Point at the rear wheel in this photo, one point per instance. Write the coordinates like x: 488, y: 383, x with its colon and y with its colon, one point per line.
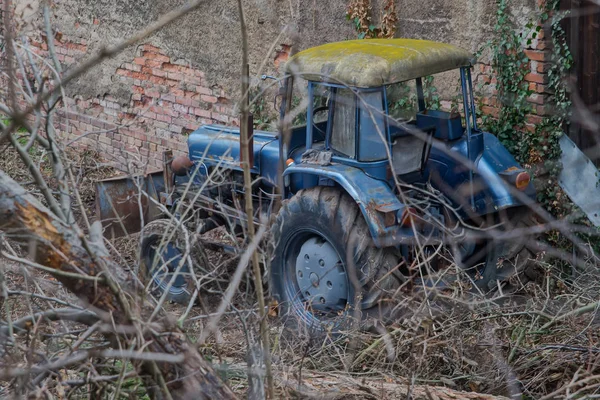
x: 166, y: 263
x: 499, y: 263
x: 324, y: 262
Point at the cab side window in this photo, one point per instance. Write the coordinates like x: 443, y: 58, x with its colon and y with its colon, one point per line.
x: 373, y: 134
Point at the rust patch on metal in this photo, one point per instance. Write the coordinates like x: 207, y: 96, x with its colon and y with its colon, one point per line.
x: 511, y: 169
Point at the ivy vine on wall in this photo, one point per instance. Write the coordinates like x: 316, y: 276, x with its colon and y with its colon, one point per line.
x: 538, y: 150
x: 360, y: 13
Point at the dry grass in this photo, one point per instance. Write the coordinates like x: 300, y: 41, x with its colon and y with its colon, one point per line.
x: 470, y: 345
x: 466, y: 344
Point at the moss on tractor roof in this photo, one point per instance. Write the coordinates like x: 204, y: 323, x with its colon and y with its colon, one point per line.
x: 377, y: 62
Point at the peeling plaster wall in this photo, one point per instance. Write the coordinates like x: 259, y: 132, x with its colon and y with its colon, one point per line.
x: 209, y: 38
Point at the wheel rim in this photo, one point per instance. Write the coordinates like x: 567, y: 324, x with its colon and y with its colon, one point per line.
x: 315, y: 278
x: 164, y: 264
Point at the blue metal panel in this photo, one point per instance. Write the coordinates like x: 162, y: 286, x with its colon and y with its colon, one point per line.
x: 309, y: 116
x: 491, y: 192
x: 269, y: 162
x: 374, y: 197
x: 220, y: 145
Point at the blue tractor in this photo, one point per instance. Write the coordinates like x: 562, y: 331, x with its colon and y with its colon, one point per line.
x: 363, y: 206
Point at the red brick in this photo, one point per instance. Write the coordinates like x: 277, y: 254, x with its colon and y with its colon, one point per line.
x: 182, y: 147
x: 163, y: 118
x: 132, y: 67
x: 153, y: 63
x: 158, y: 72
x: 203, y: 90
x: 161, y: 124
x: 542, y: 45
x: 191, y: 79
x: 154, y: 56
x: 490, y: 111
x: 537, y: 55
x: 541, y: 89
x: 153, y: 93
x: 543, y: 67
x: 202, y: 113
x: 530, y: 127
x: 220, y: 117
x: 131, y: 74
x: 180, y: 108
x: 157, y: 80
x: 171, y: 67
x: 139, y: 60
x: 541, y: 34
x: 534, y: 119
x: 183, y: 101
x: 175, y: 76
x: 149, y: 114
x: 208, y: 99
x: 175, y: 128
x: 537, y: 78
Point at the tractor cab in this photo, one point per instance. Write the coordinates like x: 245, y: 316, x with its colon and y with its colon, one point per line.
x: 354, y: 125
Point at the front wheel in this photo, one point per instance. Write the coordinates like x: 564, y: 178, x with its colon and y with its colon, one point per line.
x: 324, y: 262
x: 167, y: 258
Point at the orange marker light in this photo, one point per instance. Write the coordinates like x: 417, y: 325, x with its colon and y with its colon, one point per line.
x: 408, y: 217
x: 289, y: 162
x: 522, y: 181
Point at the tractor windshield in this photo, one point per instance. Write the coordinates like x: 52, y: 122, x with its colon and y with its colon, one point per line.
x: 363, y: 110
x: 343, y: 130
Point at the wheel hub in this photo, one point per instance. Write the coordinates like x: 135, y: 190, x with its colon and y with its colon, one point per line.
x: 320, y: 275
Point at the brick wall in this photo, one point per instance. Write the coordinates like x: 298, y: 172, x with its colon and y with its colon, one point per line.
x: 169, y: 99
x: 539, y: 62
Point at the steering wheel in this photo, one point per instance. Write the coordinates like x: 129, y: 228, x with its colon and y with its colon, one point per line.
x: 315, y: 112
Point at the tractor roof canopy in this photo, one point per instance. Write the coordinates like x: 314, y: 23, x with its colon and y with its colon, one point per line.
x: 377, y: 62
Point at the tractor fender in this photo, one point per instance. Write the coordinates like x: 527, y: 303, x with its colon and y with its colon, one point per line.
x: 496, y: 161
x: 493, y: 164
x: 374, y: 198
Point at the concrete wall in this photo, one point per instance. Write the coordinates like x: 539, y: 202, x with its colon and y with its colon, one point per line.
x: 149, y: 96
